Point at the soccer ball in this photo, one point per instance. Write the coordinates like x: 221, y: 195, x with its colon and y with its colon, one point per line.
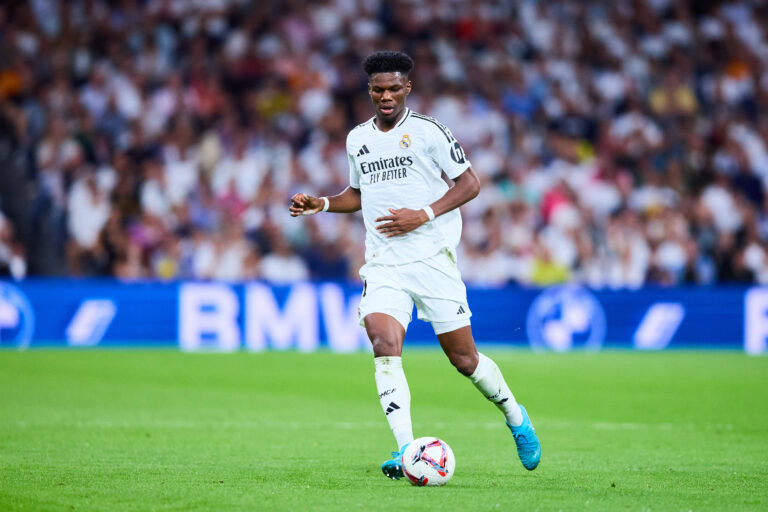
x: 428, y: 461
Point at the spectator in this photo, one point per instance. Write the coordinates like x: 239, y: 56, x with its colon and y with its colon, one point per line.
x: 88, y: 211
x: 282, y: 265
x: 617, y: 144
x: 12, y: 258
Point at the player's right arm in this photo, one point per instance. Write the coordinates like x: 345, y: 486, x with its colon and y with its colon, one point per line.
x: 346, y: 202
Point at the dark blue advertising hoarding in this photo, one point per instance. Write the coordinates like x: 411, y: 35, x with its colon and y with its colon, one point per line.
x: 307, y: 316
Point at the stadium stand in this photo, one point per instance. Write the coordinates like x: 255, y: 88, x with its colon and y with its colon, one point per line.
x: 618, y: 143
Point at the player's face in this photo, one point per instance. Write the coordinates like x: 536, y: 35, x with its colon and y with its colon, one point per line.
x: 388, y: 92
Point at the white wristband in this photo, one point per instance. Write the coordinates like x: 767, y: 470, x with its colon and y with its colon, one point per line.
x: 326, y: 203
x: 430, y: 213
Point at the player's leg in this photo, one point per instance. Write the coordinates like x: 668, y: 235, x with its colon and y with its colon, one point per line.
x: 441, y: 298
x: 387, y: 334
x: 459, y: 345
x: 385, y: 311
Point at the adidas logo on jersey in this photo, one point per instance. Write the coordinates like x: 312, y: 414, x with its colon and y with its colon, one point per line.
x: 363, y: 151
x: 461, y: 310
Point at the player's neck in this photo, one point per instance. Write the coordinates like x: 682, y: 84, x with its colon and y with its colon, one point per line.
x: 386, y: 125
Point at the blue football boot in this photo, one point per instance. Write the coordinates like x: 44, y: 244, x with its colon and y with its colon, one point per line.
x: 528, y: 446
x: 393, y: 467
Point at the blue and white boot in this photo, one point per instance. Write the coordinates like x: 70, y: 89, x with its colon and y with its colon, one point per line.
x: 393, y: 467
x: 528, y: 445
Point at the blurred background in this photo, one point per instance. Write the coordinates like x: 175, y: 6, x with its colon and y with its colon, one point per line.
x: 618, y: 143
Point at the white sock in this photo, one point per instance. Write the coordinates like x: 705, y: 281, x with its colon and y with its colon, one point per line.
x: 488, y: 379
x: 395, y: 397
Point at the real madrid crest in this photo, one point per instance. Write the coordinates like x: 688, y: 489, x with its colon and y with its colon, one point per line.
x: 405, y: 142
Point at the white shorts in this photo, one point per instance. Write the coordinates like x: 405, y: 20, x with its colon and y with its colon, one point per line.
x: 433, y: 284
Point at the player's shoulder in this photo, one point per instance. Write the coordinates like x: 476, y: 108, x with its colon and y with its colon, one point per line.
x: 360, y: 137
x: 361, y: 130
x: 431, y: 125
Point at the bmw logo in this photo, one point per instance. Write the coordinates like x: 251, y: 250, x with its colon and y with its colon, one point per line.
x: 17, y: 319
x: 566, y: 317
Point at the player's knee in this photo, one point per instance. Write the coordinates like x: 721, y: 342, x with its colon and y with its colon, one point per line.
x: 464, y: 362
x: 384, y: 345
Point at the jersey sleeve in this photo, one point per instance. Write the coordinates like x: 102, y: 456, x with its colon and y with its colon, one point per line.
x: 447, y: 152
x: 354, y: 172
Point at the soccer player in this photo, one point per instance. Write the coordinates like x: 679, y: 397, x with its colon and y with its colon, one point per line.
x: 400, y: 164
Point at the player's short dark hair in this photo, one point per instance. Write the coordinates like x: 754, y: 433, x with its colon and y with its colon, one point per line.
x: 388, y: 62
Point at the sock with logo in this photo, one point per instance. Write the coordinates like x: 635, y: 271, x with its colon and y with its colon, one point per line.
x: 395, y: 397
x: 488, y: 379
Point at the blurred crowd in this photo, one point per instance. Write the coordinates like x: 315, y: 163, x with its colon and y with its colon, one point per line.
x: 618, y: 143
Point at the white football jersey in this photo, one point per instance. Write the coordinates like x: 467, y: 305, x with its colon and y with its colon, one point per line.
x: 402, y: 168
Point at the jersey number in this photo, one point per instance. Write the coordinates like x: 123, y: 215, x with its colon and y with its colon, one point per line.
x: 457, y: 154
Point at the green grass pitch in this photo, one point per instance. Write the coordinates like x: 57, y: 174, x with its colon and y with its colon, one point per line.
x: 110, y: 430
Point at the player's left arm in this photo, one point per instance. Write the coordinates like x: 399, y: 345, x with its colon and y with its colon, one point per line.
x: 404, y: 220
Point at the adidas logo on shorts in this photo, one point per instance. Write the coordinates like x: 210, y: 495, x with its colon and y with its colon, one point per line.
x: 461, y: 310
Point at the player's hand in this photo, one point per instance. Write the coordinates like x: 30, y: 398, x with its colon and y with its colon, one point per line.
x: 402, y: 221
x: 304, y: 204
